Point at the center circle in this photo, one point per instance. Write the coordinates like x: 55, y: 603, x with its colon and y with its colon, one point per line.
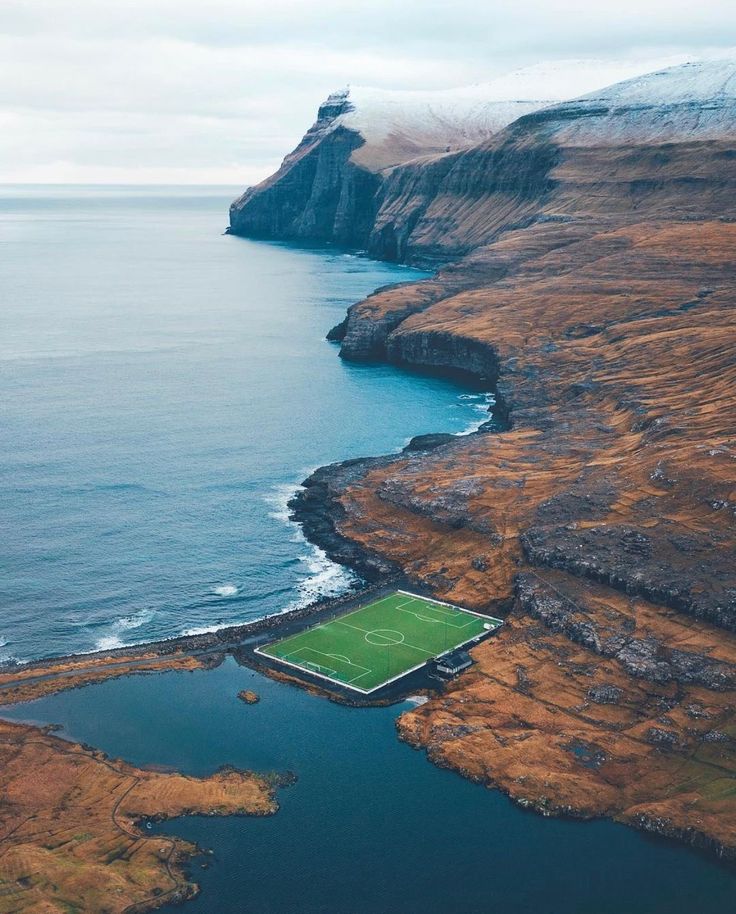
x: 383, y: 637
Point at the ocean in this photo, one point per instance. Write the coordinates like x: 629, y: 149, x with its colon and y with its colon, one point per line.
x: 165, y: 387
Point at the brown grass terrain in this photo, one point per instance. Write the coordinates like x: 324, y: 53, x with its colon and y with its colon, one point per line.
x: 46, y: 678
x: 605, y: 518
x: 594, y: 276
x: 69, y: 838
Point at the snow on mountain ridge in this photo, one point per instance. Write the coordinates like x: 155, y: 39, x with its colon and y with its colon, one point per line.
x: 401, y: 124
x: 694, y: 82
x: 693, y: 101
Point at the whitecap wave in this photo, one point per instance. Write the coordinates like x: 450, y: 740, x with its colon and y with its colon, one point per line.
x: 108, y: 643
x: 135, y: 620
x: 480, y: 403
x: 225, y: 590
x: 206, y: 629
x: 113, y: 638
x: 9, y: 660
x: 278, y: 501
x: 325, y: 579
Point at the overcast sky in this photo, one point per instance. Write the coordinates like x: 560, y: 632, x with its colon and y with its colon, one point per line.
x: 191, y: 91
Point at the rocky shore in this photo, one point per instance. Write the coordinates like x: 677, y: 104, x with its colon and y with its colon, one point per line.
x: 586, y: 273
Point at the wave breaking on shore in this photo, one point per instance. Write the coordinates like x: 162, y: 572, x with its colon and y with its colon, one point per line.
x: 325, y: 579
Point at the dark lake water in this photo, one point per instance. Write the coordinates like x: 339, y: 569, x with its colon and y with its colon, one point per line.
x: 164, y: 387
x: 370, y: 827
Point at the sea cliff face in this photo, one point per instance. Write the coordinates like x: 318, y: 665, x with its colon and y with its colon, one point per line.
x: 587, y: 273
x: 318, y: 194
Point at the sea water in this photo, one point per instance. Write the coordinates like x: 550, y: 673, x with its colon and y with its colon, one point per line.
x: 370, y: 826
x: 164, y: 388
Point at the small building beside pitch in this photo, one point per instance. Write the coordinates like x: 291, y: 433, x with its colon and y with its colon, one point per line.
x: 454, y: 663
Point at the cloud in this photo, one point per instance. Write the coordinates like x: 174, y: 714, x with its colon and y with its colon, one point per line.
x: 219, y: 91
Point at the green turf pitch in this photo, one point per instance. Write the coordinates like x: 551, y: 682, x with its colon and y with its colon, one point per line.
x: 382, y: 641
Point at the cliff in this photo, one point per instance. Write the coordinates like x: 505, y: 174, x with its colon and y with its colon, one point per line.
x: 70, y: 825
x: 590, y: 277
x: 331, y: 187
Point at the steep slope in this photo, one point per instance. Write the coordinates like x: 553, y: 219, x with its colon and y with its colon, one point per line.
x: 593, y: 284
x: 656, y: 143
x: 565, y: 174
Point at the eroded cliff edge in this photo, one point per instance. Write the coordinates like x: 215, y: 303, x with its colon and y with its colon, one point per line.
x: 591, y: 276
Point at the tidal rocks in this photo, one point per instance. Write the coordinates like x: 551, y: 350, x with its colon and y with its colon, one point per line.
x: 429, y: 442
x: 318, y: 508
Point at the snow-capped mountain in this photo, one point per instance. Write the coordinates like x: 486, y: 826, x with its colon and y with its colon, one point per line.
x: 399, y: 125
x: 696, y: 99
x: 434, y: 174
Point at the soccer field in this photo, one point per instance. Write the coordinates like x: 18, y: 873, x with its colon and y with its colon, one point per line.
x: 371, y: 646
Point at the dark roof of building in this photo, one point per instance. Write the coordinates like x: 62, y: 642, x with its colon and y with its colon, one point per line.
x: 456, y: 658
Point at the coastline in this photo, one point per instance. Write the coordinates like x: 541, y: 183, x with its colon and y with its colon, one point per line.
x: 317, y: 508
x: 72, y: 844
x: 230, y: 793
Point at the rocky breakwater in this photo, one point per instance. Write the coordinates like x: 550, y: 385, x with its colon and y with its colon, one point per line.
x: 604, y: 518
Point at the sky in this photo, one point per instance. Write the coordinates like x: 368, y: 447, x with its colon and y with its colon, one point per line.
x: 216, y: 92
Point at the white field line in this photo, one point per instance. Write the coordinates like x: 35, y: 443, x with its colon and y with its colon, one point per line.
x: 299, y: 660
x: 403, y: 673
x: 313, y: 650
x: 452, y: 614
x: 461, y: 609
x: 364, y: 632
x: 359, y: 676
x: 295, y: 666
x: 406, y: 593
x: 381, y: 633
x: 440, y: 621
x: 385, y: 682
x: 327, y: 623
